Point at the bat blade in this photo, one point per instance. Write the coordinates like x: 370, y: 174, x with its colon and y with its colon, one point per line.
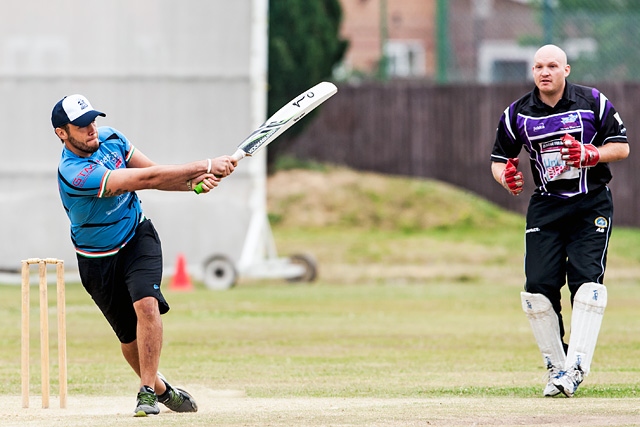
x: 282, y: 120
x: 287, y: 116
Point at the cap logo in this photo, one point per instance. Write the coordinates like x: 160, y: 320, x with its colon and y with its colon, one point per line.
x: 82, y: 104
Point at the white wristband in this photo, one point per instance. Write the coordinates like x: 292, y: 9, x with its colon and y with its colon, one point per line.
x: 208, y: 165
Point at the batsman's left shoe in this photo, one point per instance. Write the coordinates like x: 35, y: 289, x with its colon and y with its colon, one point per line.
x: 568, y: 381
x: 551, y: 390
x: 176, y: 399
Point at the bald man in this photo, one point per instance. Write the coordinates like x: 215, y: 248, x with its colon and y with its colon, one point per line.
x: 571, y: 133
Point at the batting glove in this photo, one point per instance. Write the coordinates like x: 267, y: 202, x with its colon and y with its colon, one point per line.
x: 579, y: 155
x: 511, y: 177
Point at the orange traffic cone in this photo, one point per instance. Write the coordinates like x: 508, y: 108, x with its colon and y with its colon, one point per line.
x: 181, y: 280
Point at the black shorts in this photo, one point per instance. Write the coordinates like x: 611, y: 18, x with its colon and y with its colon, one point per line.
x: 116, y: 282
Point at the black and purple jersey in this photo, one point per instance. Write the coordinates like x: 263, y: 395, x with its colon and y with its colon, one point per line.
x: 584, y: 113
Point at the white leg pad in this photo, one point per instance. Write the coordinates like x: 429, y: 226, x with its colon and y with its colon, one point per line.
x: 588, y: 309
x: 546, y: 329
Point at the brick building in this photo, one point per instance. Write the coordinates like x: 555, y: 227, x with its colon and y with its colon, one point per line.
x: 409, y: 31
x: 479, y: 41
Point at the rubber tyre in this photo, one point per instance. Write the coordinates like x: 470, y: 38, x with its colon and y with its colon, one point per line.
x: 220, y: 273
x: 310, y: 266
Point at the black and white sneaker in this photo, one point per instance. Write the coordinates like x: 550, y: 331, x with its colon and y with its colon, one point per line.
x: 176, y: 399
x: 568, y: 381
x: 147, y: 402
x: 550, y: 389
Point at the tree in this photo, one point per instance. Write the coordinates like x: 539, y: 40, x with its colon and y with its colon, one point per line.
x: 304, y: 48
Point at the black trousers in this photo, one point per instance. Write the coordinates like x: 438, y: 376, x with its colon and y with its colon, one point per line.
x: 566, y: 241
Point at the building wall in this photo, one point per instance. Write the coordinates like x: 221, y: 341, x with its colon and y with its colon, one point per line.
x: 406, y: 20
x: 478, y: 26
x: 182, y: 79
x: 479, y: 32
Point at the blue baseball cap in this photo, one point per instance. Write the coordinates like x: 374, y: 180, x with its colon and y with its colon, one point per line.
x: 74, y: 109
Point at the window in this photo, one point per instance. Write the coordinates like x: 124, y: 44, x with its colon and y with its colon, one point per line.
x: 504, y: 61
x: 405, y: 58
x: 510, y: 71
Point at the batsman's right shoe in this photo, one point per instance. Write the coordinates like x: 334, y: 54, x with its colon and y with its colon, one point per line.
x: 568, y: 381
x: 551, y: 390
x: 147, y: 403
x: 176, y: 399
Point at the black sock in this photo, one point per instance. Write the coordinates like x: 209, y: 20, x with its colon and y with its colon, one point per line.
x: 165, y: 394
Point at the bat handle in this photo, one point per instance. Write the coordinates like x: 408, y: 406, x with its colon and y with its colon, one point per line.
x: 237, y: 156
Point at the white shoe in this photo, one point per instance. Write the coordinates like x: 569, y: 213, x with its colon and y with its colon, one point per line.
x: 551, y: 390
x: 568, y: 381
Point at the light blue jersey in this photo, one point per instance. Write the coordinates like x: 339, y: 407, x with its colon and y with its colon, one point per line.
x: 100, y: 225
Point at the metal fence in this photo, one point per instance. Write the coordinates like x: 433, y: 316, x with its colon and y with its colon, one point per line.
x: 445, y: 132
x: 493, y: 41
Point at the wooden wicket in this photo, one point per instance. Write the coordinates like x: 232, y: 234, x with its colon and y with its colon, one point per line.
x: 44, y: 330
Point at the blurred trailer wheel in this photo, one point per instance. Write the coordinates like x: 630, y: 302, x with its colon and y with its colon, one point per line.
x: 310, y: 268
x: 219, y: 273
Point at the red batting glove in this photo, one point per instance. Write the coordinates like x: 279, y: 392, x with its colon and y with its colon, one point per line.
x: 511, y: 177
x: 579, y: 155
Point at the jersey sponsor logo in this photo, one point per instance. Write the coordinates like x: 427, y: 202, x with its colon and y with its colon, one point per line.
x: 555, y: 171
x: 570, y: 119
x: 532, y: 230
x: 119, y: 201
x: 550, y: 145
x: 82, y: 176
x: 111, y: 158
x: 554, y: 166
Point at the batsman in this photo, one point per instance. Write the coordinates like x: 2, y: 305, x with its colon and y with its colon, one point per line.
x: 571, y: 133
x: 118, y: 249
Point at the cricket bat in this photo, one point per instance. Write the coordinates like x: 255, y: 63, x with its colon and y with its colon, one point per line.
x: 282, y: 120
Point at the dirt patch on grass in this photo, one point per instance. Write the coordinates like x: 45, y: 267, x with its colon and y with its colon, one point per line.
x: 229, y: 408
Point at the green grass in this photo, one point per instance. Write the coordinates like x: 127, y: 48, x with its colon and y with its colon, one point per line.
x: 427, y: 313
x: 331, y: 340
